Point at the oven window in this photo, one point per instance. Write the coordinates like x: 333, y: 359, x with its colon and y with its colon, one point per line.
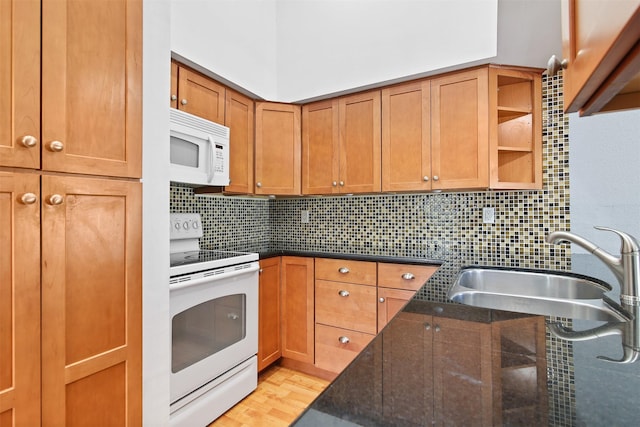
x: 207, y: 328
x: 183, y: 152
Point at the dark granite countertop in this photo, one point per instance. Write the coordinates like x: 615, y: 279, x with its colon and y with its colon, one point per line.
x: 446, y: 364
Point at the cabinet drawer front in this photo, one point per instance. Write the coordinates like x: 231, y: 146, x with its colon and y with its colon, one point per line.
x: 404, y: 276
x: 346, y: 305
x: 361, y: 272
x: 336, y: 347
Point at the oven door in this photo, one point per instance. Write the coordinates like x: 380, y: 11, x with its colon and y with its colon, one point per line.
x: 214, y: 325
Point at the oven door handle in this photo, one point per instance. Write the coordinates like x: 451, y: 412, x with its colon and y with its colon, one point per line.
x: 181, y: 285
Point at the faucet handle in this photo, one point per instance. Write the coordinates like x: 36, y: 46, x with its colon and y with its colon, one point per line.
x: 628, y: 243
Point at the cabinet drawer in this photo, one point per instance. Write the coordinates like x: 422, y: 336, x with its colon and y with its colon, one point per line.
x: 332, y: 353
x: 346, y: 305
x: 361, y: 272
x: 404, y: 276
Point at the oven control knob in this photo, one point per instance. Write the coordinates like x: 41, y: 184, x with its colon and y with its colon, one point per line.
x: 185, y: 225
x: 195, y: 225
x: 176, y: 226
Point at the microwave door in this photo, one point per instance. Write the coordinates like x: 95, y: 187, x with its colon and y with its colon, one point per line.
x: 210, y: 166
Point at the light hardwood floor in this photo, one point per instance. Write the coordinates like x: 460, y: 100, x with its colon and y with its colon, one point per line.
x: 281, y: 396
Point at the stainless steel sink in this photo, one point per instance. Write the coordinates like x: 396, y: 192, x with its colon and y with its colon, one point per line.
x: 543, y: 292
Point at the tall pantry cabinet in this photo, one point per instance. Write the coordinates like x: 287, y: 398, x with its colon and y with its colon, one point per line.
x: 70, y: 213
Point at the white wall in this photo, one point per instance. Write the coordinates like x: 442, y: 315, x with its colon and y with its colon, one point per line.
x: 155, y: 214
x: 604, y: 168
x: 233, y: 39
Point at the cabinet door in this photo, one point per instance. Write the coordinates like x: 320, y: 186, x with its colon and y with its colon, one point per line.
x: 19, y: 300
x: 240, y: 119
x: 297, y: 308
x: 460, y: 130
x: 406, y: 137
x: 92, y: 87
x: 462, y: 368
x: 20, y: 83
x: 596, y: 37
x: 173, y: 97
x: 269, y: 313
x: 277, y: 149
x: 91, y: 302
x: 390, y: 302
x: 360, y: 143
x: 320, y: 148
x: 200, y: 95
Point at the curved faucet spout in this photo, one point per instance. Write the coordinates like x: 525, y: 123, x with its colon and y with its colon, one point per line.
x: 561, y: 331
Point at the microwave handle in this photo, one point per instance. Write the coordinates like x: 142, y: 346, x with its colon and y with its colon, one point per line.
x: 210, y: 166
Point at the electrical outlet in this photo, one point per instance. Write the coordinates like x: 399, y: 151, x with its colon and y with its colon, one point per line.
x: 304, y: 217
x: 488, y: 215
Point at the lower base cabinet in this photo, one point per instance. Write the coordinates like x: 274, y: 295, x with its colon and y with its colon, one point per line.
x: 269, y: 342
x: 297, y: 296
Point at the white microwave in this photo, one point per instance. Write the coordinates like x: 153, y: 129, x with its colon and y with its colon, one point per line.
x: 199, y: 150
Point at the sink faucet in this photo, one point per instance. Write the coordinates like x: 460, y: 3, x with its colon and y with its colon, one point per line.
x: 626, y: 269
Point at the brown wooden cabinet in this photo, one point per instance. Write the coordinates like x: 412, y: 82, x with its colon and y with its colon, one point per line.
x: 600, y: 45
x: 197, y: 94
x: 345, y: 311
x: 19, y: 299
x: 515, y: 129
x: 297, y: 297
x: 397, y: 284
x: 71, y: 340
x: 269, y: 343
x: 20, y: 83
x: 92, y: 102
x: 460, y: 130
x: 406, y: 137
x: 341, y: 145
x: 240, y: 119
x: 277, y: 149
x: 91, y: 301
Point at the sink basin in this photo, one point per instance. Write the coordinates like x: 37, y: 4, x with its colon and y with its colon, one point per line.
x: 548, y: 293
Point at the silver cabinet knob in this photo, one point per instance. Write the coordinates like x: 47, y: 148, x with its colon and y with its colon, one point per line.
x: 437, y: 328
x: 29, y: 141
x: 260, y: 271
x: 233, y: 316
x: 427, y: 326
x: 344, y: 340
x: 343, y: 270
x: 174, y: 98
x: 258, y: 184
x: 408, y: 276
x: 56, y: 146
x: 341, y: 183
x: 425, y: 178
x: 55, y: 199
x: 183, y: 102
x: 554, y: 65
x: 381, y: 299
x: 28, y: 198
x: 343, y: 293
x: 334, y: 183
x: 436, y: 177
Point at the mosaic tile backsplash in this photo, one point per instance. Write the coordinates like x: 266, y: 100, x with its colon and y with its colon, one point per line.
x: 442, y: 226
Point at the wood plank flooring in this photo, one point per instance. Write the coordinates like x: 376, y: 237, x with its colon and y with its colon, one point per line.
x: 281, y: 396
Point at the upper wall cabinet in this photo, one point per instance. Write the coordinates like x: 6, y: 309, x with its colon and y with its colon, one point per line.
x: 91, y: 86
x: 406, y: 137
x: 20, y: 83
x: 601, y: 54
x: 341, y: 145
x: 459, y: 130
x: 515, y: 128
x: 197, y: 94
x: 277, y: 149
x: 240, y: 119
